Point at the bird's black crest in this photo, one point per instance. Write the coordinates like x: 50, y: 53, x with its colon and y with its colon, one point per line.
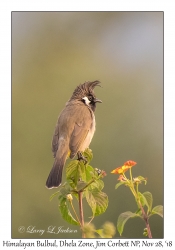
x: 85, y: 89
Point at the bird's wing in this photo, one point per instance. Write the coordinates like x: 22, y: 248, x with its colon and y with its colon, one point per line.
x: 55, y: 140
x: 82, y: 125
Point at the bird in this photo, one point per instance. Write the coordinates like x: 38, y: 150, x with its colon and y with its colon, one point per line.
x: 74, y: 129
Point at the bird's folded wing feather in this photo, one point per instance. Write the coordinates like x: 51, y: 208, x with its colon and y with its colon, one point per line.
x: 82, y: 126
x: 76, y: 119
x: 55, y: 141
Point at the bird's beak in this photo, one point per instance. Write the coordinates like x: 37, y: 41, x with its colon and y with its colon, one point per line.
x: 97, y: 100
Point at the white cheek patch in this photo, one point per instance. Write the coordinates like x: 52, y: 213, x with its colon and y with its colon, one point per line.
x: 86, y: 100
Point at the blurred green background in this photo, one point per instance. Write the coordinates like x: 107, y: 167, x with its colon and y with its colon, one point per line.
x: 53, y: 52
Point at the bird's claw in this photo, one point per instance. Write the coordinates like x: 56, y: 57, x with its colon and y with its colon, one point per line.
x: 81, y: 157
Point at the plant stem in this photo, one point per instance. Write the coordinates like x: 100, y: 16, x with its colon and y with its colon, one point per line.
x: 91, y: 220
x: 80, y: 199
x: 130, y: 174
x: 145, y: 217
x: 89, y: 183
x: 75, y: 212
x: 135, y: 193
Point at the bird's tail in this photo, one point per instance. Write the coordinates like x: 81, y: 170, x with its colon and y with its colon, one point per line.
x: 55, y: 177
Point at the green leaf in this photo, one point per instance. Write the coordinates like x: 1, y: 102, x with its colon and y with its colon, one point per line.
x: 101, y: 202
x: 97, y: 200
x: 97, y: 184
x: 158, y: 210
x: 71, y: 172
x: 119, y: 184
x: 65, y: 212
x: 146, y: 199
x: 81, y: 171
x: 89, y: 173
x: 75, y: 171
x: 91, y: 201
x: 122, y: 219
x: 142, y: 199
x: 88, y: 154
x: 149, y: 200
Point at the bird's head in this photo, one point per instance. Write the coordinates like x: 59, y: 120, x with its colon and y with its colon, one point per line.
x: 85, y: 93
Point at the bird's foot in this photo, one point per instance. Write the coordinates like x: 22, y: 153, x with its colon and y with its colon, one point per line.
x: 81, y: 157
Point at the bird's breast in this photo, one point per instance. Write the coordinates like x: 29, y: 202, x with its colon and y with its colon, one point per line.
x: 89, y: 136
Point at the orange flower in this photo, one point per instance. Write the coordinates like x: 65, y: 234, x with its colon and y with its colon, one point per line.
x: 120, y: 170
x: 130, y: 163
x: 127, y: 165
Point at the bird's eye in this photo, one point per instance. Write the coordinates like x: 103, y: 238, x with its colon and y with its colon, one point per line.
x: 90, y: 98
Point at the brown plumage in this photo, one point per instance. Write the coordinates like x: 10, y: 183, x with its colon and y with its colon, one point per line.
x: 74, y: 129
